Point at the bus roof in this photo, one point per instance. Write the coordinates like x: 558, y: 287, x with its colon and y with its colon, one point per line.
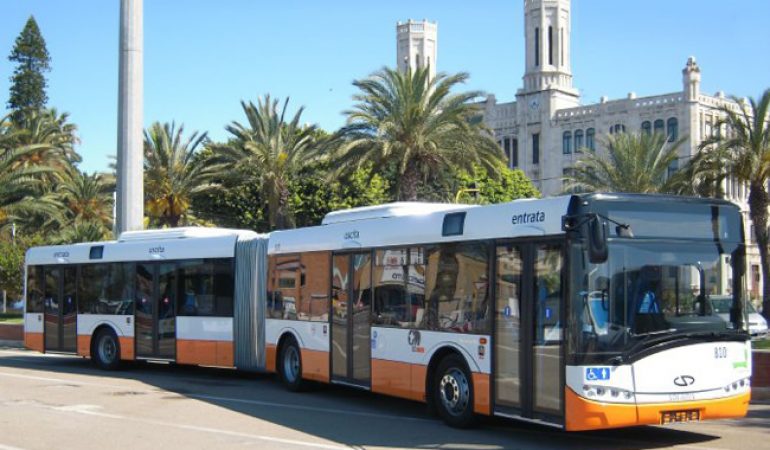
x: 149, y: 245
x: 413, y: 223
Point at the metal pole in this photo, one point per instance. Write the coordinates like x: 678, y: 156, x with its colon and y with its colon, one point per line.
x: 130, y: 185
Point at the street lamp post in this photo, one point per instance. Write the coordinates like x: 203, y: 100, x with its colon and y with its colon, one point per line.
x: 130, y: 183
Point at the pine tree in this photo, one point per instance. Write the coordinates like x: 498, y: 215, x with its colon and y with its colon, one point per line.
x: 28, y: 84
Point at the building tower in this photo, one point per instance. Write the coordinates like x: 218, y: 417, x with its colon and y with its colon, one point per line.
x: 416, y: 45
x: 547, y: 35
x: 691, y: 88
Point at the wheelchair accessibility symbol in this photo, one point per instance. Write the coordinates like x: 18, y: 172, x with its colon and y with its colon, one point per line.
x: 597, y: 373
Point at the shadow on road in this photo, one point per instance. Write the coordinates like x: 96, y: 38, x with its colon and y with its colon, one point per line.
x: 348, y: 416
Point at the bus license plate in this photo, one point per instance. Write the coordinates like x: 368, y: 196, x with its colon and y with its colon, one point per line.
x: 689, y: 415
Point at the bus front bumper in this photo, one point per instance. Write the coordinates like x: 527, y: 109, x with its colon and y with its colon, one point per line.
x: 583, y: 414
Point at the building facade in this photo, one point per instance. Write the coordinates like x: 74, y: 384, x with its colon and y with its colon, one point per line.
x: 546, y: 128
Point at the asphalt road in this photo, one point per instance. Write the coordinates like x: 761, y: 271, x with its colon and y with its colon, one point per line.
x: 63, y: 402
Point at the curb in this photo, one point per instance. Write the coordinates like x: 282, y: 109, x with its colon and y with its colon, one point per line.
x: 12, y: 344
x: 760, y: 394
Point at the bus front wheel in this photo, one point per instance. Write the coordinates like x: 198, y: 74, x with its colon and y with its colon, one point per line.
x: 106, y: 350
x: 290, y: 366
x: 453, y: 392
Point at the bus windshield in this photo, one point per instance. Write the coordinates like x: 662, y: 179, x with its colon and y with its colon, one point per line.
x: 650, y: 290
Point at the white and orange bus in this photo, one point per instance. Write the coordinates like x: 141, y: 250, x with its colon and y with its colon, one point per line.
x: 581, y: 312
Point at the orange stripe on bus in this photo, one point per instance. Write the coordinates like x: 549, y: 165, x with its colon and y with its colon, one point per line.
x: 270, y: 350
x: 583, y: 414
x: 126, y: 348
x: 204, y: 353
x: 399, y: 379
x: 481, y: 403
x: 225, y: 354
x: 84, y: 345
x: 315, y: 365
x: 34, y: 341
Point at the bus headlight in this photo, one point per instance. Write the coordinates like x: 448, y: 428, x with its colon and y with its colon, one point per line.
x: 603, y: 393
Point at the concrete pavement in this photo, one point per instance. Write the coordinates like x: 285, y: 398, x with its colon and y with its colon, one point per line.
x: 51, y: 401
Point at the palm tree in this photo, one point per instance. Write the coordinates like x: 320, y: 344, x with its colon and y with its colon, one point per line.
x: 744, y: 152
x: 412, y: 120
x: 633, y: 163
x: 173, y: 174
x: 20, y: 189
x: 87, y: 197
x: 48, y: 136
x: 276, y: 147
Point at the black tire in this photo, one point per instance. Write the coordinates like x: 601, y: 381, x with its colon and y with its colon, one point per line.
x: 105, y: 352
x: 290, y: 366
x: 453, y: 392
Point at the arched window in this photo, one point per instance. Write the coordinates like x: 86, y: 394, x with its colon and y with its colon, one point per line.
x: 578, y: 141
x: 590, y: 133
x: 659, y: 125
x: 566, y: 146
x: 646, y: 127
x: 673, y: 129
x: 618, y: 128
x: 537, y: 46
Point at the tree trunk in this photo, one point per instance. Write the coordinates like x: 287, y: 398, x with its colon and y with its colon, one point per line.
x: 758, y: 203
x: 410, y: 180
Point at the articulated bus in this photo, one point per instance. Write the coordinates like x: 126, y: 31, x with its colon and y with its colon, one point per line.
x: 581, y: 312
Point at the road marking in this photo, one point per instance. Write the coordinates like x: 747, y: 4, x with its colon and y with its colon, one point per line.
x: 227, y: 399
x: 8, y: 447
x: 93, y: 410
x: 309, y: 408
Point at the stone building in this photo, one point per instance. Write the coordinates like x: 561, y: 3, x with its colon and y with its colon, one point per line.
x: 545, y: 129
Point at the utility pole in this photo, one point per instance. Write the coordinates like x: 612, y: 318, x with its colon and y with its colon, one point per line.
x: 130, y: 185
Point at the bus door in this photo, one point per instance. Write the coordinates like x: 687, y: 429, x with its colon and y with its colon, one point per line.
x: 351, y: 318
x: 60, y: 309
x: 528, y: 370
x: 155, y: 324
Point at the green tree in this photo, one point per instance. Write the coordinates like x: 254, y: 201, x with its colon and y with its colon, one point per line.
x: 633, y: 163
x: 87, y: 199
x: 314, y: 195
x: 49, y: 137
x: 481, y: 188
x: 173, y: 174
x: 28, y: 82
x: 277, y: 148
x: 744, y: 152
x: 12, y: 253
x: 415, y: 122
x: 20, y: 189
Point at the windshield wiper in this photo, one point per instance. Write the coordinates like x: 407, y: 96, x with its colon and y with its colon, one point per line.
x: 655, y: 338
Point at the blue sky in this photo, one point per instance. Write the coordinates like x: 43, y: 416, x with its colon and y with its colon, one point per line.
x: 202, y: 57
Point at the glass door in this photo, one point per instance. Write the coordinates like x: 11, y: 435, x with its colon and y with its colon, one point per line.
x: 52, y: 300
x: 69, y: 310
x: 351, y: 318
x: 155, y: 324
x: 508, y: 326
x: 528, y: 371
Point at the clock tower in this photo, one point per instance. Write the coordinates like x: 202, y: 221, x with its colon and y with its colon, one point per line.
x: 547, y: 79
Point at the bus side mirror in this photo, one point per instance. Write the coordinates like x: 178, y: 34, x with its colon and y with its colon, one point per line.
x: 597, y: 240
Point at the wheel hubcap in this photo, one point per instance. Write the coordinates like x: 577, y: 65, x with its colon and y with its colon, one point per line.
x: 291, y: 364
x: 454, y: 391
x: 107, y: 350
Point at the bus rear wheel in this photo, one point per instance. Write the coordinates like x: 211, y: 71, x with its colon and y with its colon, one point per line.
x: 453, y: 393
x: 290, y: 366
x: 106, y: 350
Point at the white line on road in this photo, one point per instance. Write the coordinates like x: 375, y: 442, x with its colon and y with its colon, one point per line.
x: 8, y: 447
x: 228, y: 399
x: 92, y: 410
